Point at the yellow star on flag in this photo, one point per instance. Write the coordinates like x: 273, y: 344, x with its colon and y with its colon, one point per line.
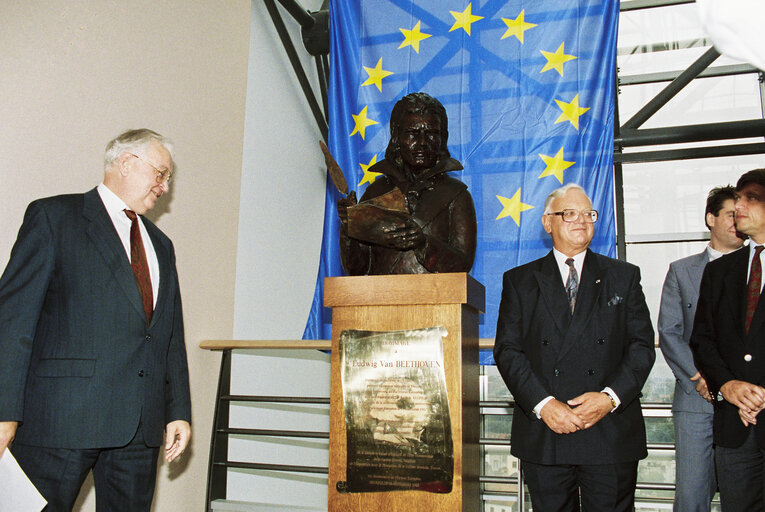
x: 513, y: 207
x: 362, y: 122
x: 376, y: 75
x: 555, y: 165
x: 464, y: 19
x: 517, y: 26
x: 369, y: 176
x: 413, y: 37
x: 556, y: 59
x: 571, y: 111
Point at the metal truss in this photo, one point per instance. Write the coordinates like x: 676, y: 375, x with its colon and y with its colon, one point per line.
x: 629, y: 134
x: 315, y: 35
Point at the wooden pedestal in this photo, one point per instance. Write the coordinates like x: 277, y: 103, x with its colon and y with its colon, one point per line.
x: 387, y: 303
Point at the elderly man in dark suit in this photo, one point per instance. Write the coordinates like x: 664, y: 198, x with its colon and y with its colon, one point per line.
x: 575, y: 345
x: 695, y: 478
x: 93, y: 373
x: 728, y: 344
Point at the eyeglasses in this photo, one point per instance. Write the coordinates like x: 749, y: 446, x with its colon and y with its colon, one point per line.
x: 163, y: 175
x: 571, y: 215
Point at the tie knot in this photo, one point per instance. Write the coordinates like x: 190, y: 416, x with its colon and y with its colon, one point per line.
x: 758, y: 250
x: 130, y: 214
x: 570, y: 262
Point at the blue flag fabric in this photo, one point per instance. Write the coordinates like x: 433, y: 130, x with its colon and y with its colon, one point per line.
x: 528, y: 86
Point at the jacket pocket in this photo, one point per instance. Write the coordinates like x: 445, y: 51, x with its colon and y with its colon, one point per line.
x: 66, y: 368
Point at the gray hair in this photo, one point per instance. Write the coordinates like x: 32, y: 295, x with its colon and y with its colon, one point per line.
x: 134, y: 141
x: 560, y: 192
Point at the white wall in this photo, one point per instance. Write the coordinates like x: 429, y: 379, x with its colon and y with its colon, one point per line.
x: 73, y: 74
x: 282, y: 189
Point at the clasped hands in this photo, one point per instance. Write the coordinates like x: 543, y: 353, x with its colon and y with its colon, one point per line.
x: 749, y: 398
x: 578, y: 413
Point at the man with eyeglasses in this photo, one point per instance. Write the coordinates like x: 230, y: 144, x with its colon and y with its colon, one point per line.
x: 575, y: 345
x: 93, y: 373
x: 728, y: 344
x: 695, y: 480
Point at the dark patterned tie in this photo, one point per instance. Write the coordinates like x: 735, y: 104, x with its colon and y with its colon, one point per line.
x: 754, y: 287
x: 140, y: 265
x: 572, y: 284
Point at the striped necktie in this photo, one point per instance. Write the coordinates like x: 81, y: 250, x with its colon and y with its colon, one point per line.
x: 572, y: 284
x: 140, y: 265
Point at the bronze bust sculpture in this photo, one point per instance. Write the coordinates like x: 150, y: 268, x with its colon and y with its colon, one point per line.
x: 414, y: 219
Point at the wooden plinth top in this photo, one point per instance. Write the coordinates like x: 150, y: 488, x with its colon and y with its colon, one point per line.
x: 404, y: 289
x: 483, y: 343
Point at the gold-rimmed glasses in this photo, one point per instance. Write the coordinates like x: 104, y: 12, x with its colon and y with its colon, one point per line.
x: 163, y: 175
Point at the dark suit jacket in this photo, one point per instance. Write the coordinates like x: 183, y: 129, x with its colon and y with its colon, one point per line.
x: 79, y: 366
x: 720, y: 345
x: 541, y: 350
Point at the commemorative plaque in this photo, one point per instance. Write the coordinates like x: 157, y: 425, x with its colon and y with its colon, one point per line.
x: 396, y: 409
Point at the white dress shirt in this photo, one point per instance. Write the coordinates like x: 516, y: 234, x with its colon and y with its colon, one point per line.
x: 115, y: 208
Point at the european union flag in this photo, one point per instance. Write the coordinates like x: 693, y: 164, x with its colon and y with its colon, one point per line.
x: 528, y: 86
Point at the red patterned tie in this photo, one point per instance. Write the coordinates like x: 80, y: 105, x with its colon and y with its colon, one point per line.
x: 140, y: 265
x: 754, y: 287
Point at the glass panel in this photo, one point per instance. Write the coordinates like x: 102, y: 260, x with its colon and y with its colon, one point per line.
x: 497, y: 426
x: 499, y: 462
x: 660, y: 385
x: 704, y: 100
x: 654, y: 260
x: 495, y: 387
x: 659, y: 25
x: 669, y: 197
x: 659, y: 430
x: 508, y: 505
x: 657, y: 468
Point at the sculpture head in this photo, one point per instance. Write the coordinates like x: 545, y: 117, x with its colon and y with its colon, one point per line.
x: 418, y: 133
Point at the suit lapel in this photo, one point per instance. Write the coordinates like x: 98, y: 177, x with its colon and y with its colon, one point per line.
x: 552, y: 291
x: 163, y: 258
x: 734, y: 288
x: 101, y: 230
x: 696, y: 268
x: 590, y: 285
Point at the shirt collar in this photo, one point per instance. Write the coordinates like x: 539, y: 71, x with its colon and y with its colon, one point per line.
x: 111, y: 201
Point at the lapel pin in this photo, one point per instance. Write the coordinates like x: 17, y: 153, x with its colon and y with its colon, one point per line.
x: 597, y: 281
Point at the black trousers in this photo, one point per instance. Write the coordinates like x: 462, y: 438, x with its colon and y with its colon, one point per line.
x: 587, y: 487
x: 741, y: 476
x: 124, y: 477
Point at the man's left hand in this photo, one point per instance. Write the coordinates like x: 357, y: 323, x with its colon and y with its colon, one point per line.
x: 177, y: 435
x: 591, y: 407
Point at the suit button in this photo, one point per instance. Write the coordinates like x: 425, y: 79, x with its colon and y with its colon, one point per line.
x: 689, y: 305
x: 148, y: 338
x: 140, y: 373
x: 590, y: 372
x: 545, y: 342
x: 748, y: 357
x: 556, y: 372
x: 601, y: 341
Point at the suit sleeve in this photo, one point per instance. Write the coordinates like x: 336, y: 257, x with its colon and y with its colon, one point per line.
x: 23, y: 287
x: 510, y: 356
x: 672, y: 329
x: 177, y: 395
x: 705, y: 353
x: 639, y: 352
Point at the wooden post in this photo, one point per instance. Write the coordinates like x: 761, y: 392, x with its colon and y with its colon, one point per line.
x: 395, y: 302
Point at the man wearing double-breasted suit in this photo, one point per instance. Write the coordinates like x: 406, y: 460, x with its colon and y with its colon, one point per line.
x: 695, y: 478
x: 93, y: 371
x: 574, y: 345
x: 728, y: 344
